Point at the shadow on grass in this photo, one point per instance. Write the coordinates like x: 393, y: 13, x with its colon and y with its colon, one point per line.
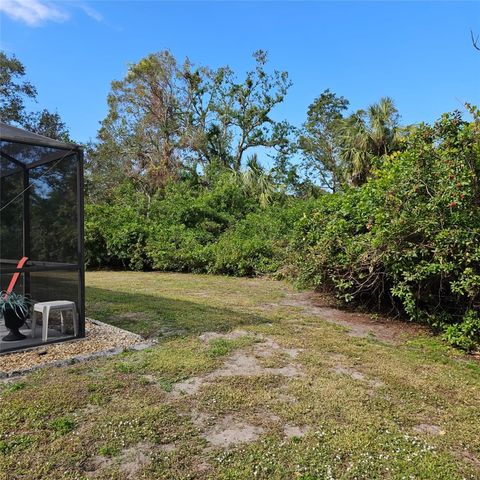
x: 152, y: 316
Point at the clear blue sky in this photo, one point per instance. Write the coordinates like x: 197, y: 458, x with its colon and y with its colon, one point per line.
x: 418, y: 53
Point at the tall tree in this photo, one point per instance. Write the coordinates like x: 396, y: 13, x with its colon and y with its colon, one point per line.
x: 165, y: 117
x: 47, y: 124
x: 242, y: 109
x: 143, y: 130
x: 366, y: 135
x: 319, y: 140
x: 14, y: 90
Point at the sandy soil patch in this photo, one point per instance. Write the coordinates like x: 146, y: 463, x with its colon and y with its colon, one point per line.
x: 229, y: 431
x: 290, y: 430
x: 358, y: 324
x: 429, y: 429
x: 134, y: 459
x: 233, y: 335
x: 240, y: 363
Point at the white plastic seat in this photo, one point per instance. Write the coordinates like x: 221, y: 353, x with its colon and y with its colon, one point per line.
x: 46, y: 307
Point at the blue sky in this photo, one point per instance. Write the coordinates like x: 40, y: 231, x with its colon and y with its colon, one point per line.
x: 419, y: 53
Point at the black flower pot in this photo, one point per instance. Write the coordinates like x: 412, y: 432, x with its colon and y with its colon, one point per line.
x: 13, y: 322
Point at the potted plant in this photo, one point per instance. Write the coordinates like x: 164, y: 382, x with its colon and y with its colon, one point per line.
x: 14, y: 309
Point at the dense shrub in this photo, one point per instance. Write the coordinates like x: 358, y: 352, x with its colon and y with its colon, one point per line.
x: 410, y: 237
x: 115, y: 233
x: 258, y: 243
x: 189, y: 228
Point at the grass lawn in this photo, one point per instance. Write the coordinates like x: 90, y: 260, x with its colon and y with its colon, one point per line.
x: 286, y: 396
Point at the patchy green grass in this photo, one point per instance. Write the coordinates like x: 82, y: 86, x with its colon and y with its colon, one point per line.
x: 322, y: 404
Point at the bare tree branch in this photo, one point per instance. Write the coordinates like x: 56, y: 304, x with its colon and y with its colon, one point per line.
x: 474, y: 41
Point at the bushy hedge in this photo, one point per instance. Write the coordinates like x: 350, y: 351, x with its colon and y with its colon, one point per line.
x: 219, y: 229
x: 410, y: 237
x: 116, y: 232
x: 258, y: 243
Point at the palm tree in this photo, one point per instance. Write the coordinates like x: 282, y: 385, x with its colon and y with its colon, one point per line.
x: 256, y: 181
x: 366, y: 135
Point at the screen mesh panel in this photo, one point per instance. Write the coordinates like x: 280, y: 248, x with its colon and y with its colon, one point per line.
x: 53, y: 212
x: 54, y: 285
x: 11, y: 213
x: 40, y: 219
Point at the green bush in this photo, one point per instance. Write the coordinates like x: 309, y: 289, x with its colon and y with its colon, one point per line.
x: 174, y: 230
x: 258, y: 244
x: 410, y: 237
x: 115, y: 233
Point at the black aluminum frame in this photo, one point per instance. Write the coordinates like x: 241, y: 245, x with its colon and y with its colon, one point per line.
x: 64, y: 151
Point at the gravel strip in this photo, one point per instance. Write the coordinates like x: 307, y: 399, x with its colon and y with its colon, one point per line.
x: 101, y: 340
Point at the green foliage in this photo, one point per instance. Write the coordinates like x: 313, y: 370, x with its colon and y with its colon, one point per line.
x: 407, y: 239
x: 63, y: 425
x: 167, y: 118
x: 367, y: 135
x: 13, y: 89
x: 115, y: 232
x: 258, y: 243
x: 171, y: 187
x: 320, y: 142
x: 465, y: 335
x: 225, y: 228
x: 410, y: 237
x: 16, y: 302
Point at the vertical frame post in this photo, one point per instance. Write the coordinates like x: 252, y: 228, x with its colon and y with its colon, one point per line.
x: 80, y: 233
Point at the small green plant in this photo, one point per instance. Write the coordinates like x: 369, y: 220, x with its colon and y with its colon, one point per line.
x: 14, y: 387
x: 218, y: 348
x: 124, y: 367
x: 465, y: 335
x: 167, y: 385
x: 18, y: 442
x: 108, y: 451
x: 20, y: 304
x: 62, y: 425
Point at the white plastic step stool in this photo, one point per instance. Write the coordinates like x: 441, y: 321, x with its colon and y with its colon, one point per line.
x: 46, y: 307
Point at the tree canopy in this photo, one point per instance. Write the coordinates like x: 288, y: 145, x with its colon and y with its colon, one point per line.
x: 166, y: 119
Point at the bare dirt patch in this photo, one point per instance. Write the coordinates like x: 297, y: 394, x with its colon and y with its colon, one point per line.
x: 96, y: 464
x: 130, y: 461
x: 243, y: 364
x: 468, y: 457
x: 429, y: 429
x: 358, y: 324
x: 287, y: 398
x: 356, y: 375
x: 233, y: 335
x: 188, y: 387
x: 240, y: 363
x: 229, y: 431
x: 350, y: 372
x: 291, y: 430
x: 134, y: 459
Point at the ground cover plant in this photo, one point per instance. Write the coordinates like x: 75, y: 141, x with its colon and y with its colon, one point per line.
x: 250, y: 379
